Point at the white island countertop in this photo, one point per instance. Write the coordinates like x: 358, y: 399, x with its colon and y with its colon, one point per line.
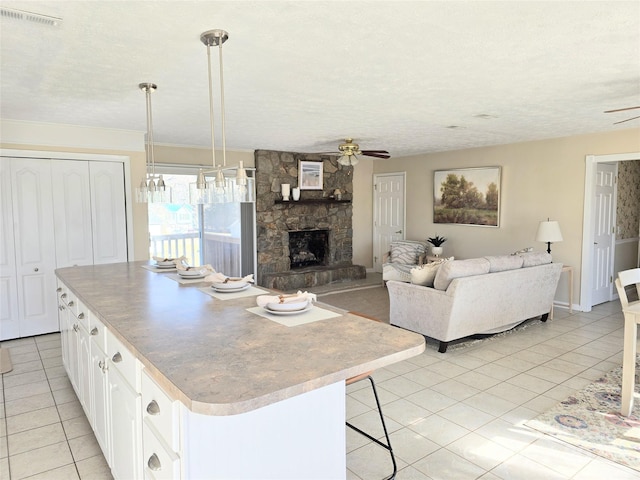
x: 216, y: 357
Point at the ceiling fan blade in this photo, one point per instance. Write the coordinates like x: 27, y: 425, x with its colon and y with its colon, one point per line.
x: 376, y: 151
x: 627, y: 120
x: 621, y: 109
x: 373, y: 153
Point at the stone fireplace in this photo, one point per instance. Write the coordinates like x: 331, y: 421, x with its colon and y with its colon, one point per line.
x: 306, y: 242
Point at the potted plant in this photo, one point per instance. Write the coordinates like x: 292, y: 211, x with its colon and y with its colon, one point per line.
x: 437, y: 242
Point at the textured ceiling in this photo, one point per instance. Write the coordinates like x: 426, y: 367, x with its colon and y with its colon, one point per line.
x: 301, y: 76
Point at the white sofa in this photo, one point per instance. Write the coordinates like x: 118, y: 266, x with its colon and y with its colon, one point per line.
x: 476, y: 296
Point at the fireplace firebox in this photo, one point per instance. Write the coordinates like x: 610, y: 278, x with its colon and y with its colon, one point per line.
x: 308, y: 247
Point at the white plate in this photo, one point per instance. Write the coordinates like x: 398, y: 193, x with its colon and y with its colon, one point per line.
x: 191, y: 273
x: 287, y: 307
x: 289, y: 312
x: 192, y: 277
x: 165, y: 266
x: 231, y: 290
x: 231, y: 285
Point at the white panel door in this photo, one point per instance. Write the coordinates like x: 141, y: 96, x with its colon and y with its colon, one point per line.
x: 389, y: 199
x: 604, y: 234
x: 9, y: 314
x: 108, y: 212
x: 35, y: 246
x: 72, y: 212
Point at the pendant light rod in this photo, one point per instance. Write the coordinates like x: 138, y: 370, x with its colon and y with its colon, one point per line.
x: 214, y: 38
x: 147, y: 88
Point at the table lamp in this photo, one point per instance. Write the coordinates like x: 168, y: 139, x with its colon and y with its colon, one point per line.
x: 549, y: 232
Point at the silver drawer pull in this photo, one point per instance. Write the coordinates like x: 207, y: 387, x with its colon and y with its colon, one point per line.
x: 153, y: 408
x: 70, y: 303
x: 59, y: 289
x: 94, y: 331
x: 80, y: 316
x: 60, y: 307
x: 154, y: 463
x: 75, y: 327
x: 117, y: 358
x: 64, y: 295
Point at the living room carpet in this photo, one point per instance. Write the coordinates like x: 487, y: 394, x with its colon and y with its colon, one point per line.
x: 591, y: 420
x: 370, y: 301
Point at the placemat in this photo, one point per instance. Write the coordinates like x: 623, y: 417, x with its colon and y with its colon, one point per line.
x: 183, y: 280
x: 313, y: 315
x: 153, y: 268
x: 249, y: 292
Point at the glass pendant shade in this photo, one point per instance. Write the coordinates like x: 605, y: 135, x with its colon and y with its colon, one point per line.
x: 348, y: 160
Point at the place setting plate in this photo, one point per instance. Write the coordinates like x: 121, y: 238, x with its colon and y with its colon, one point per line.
x: 230, y: 287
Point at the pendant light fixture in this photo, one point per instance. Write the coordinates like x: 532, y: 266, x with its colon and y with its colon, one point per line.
x: 152, y: 187
x: 208, y: 192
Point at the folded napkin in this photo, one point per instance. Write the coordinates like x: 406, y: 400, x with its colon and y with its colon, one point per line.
x: 179, y: 260
x: 217, y: 277
x: 264, y: 300
x: 202, y: 268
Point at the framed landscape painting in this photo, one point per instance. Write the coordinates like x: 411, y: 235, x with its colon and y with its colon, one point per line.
x: 467, y: 196
x: 310, y: 175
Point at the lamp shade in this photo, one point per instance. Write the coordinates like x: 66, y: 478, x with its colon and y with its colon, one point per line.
x: 549, y: 231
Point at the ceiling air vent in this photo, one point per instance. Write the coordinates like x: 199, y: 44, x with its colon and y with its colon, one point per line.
x: 30, y: 17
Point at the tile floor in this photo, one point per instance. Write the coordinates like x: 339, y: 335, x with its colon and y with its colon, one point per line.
x: 451, y: 416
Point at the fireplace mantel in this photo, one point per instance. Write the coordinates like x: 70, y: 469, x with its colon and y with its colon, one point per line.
x: 310, y: 201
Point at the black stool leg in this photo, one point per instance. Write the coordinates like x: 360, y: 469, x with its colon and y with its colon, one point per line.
x: 384, y: 427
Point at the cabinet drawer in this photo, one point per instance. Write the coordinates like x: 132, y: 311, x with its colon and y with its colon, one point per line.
x: 82, y: 314
x: 159, y: 463
x: 98, y: 332
x: 123, y: 360
x: 161, y: 412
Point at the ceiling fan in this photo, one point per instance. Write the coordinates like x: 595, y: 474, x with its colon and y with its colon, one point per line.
x: 622, y: 110
x: 349, y: 151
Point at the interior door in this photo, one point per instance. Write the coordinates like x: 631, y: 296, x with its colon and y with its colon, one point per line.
x: 9, y: 314
x: 35, y: 247
x: 108, y: 212
x: 604, y: 233
x: 72, y: 212
x: 389, y: 214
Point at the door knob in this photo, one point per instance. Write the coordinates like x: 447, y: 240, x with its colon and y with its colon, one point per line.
x: 36, y: 269
x: 399, y: 231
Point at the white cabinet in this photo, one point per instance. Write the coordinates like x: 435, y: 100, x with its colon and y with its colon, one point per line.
x: 55, y: 213
x: 100, y: 392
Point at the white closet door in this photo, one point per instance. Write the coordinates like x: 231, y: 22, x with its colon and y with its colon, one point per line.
x: 9, y: 314
x: 35, y: 248
x: 108, y: 212
x: 72, y: 212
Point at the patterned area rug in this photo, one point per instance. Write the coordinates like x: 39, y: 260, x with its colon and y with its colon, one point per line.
x: 591, y: 420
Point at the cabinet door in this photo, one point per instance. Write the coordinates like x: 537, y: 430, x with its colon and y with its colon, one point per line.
x: 100, y: 399
x: 125, y: 423
x: 9, y: 314
x: 35, y: 249
x: 85, y: 374
x: 72, y: 343
x: 108, y: 212
x: 72, y: 212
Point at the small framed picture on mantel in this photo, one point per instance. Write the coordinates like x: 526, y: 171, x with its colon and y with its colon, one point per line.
x: 310, y: 175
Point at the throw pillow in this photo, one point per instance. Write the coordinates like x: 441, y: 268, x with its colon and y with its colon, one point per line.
x: 524, y: 250
x: 459, y: 268
x: 533, y: 259
x: 500, y: 263
x: 425, y: 274
x: 406, y: 252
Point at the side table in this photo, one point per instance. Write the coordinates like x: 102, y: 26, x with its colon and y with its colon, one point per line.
x: 569, y: 269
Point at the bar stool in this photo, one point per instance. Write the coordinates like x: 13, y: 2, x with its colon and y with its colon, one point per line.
x: 631, y: 311
x: 387, y: 445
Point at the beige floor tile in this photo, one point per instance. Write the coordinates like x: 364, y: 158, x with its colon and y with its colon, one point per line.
x: 439, y: 430
x: 480, y: 451
x: 30, y: 420
x: 25, y: 367
x: 48, y: 344
x: 51, y: 352
x: 18, y: 342
x: 94, y: 468
x: 55, y: 371
x: 36, y: 438
x: 372, y: 461
x: 76, y: 427
x: 29, y: 404
x: 4, y: 468
x: 444, y: 465
x: 24, y: 391
x: 68, y: 472
x: 24, y: 378
x: 70, y: 410
x: 411, y: 446
x: 47, y: 337
x: 54, y: 361
x: 64, y: 395
x: 59, y: 383
x: 24, y: 357
x: 4, y: 450
x: 84, y: 447
x: 23, y: 349
x: 40, y: 460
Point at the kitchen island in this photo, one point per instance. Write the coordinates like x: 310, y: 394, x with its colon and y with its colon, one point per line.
x: 210, y: 389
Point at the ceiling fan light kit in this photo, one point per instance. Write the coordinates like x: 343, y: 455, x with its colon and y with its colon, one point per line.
x: 623, y: 110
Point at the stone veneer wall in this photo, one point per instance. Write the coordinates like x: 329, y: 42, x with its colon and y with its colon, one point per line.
x: 315, y: 210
